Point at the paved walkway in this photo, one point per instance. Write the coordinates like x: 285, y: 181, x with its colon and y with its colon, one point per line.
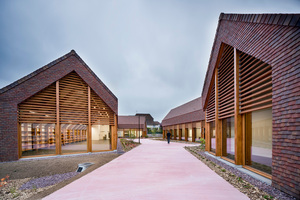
x: 153, y: 170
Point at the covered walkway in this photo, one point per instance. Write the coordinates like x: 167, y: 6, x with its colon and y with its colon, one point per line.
x: 153, y: 170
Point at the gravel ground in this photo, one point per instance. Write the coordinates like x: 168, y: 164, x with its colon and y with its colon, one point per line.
x: 38, y: 177
x: 248, y: 185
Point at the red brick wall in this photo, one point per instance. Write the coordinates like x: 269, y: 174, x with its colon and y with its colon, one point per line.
x: 278, y: 46
x: 12, y: 96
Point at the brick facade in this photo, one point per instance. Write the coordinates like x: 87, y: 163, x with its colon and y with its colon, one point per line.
x: 274, y: 39
x: 17, y: 92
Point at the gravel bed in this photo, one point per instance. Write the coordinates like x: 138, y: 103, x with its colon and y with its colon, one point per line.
x: 261, y: 185
x: 230, y: 174
x: 47, y: 181
x: 120, y: 148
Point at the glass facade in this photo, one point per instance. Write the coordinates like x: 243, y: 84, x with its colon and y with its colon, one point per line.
x: 73, y: 138
x: 212, y: 129
x: 261, y: 136
x: 37, y: 139
x: 198, y: 133
x: 101, y: 139
x: 228, y: 133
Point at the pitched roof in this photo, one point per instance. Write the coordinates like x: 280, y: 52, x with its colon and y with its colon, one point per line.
x: 127, y: 122
x: 64, y: 65
x: 149, y: 118
x: 188, y: 112
x: 263, y: 36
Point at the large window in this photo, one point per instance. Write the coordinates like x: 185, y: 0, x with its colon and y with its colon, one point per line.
x: 198, y: 133
x: 37, y: 139
x: 101, y: 139
x: 260, y: 147
x: 228, y: 134
x: 212, y: 129
x: 73, y: 138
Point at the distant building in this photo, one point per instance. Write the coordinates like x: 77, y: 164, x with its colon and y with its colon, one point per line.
x: 150, y: 121
x: 185, y: 121
x: 129, y: 126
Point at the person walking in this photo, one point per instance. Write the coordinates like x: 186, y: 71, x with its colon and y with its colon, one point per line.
x: 168, y: 136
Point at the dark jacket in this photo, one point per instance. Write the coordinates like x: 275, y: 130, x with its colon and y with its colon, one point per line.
x: 168, y: 134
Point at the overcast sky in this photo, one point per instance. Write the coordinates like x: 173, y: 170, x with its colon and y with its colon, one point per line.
x: 152, y: 54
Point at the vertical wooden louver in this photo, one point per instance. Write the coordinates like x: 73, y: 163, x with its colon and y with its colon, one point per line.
x: 226, y: 83
x: 40, y: 108
x: 73, y: 100
x: 100, y: 112
x: 211, y: 108
x: 255, y: 84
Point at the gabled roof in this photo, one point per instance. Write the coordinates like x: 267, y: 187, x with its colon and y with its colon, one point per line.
x: 48, y: 74
x: 188, y: 112
x: 127, y: 122
x: 149, y: 118
x: 263, y: 36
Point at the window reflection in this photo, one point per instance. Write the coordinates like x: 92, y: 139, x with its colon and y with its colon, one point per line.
x: 101, y: 139
x: 73, y: 138
x: 37, y: 139
x: 228, y: 133
x: 212, y: 137
x: 261, y: 144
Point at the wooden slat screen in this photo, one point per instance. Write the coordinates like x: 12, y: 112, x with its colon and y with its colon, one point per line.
x: 210, y: 110
x: 255, y: 84
x: 100, y: 112
x: 73, y: 100
x: 73, y: 104
x: 226, y: 83
x: 40, y: 108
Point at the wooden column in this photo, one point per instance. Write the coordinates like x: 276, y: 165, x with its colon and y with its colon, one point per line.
x: 180, y: 134
x: 89, y: 132
x: 57, y: 125
x: 247, y: 134
x: 224, y: 138
x: 239, y: 151
x: 218, y: 123
x: 203, y: 129
x: 193, y: 134
x: 186, y: 134
x: 114, y: 134
x: 207, y: 136
x: 175, y: 133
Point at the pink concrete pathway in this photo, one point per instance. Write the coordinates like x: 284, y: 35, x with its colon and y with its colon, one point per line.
x: 154, y: 170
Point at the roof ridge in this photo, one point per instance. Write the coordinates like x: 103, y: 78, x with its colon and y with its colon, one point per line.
x: 183, y: 114
x: 287, y: 19
x: 187, y: 103
x: 89, y: 69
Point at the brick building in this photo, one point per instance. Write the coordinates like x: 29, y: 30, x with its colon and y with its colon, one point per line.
x: 129, y: 126
x: 185, y: 121
x: 251, y: 96
x: 60, y: 108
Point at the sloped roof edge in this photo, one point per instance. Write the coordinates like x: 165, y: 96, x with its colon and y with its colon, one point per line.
x: 185, y: 109
x: 49, y: 65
